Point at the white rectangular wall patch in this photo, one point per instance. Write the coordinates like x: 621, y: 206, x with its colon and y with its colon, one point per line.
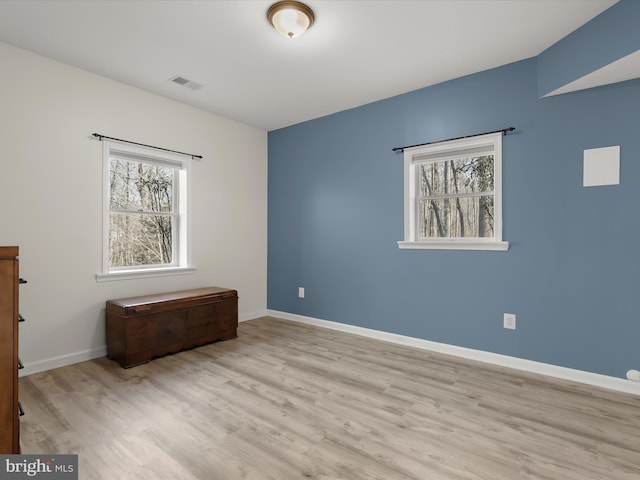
x: 601, y: 166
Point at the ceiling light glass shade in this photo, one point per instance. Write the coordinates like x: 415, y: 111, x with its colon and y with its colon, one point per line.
x: 291, y: 19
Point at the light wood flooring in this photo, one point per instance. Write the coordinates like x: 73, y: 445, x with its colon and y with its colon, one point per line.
x: 290, y: 401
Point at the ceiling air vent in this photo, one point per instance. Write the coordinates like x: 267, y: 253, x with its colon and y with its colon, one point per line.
x: 186, y: 82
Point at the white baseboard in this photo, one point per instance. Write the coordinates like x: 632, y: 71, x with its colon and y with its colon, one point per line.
x: 594, y: 379
x: 62, y: 360
x: 589, y: 378
x: 77, y: 357
x: 251, y: 316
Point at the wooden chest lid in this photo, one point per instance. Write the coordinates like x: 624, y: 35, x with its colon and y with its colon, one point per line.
x: 161, y: 301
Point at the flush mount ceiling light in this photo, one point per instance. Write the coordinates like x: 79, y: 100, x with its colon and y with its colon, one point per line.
x: 291, y: 19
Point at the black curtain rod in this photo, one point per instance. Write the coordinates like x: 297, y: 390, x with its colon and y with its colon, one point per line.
x: 503, y: 130
x: 100, y: 137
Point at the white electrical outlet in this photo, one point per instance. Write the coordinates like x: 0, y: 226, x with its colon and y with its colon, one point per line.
x: 300, y: 292
x: 510, y: 321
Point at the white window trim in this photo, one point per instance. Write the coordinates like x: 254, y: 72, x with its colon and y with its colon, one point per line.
x: 410, y: 186
x: 182, y: 236
x: 143, y: 273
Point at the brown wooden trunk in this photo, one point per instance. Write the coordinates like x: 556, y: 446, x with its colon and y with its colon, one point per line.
x: 141, y: 328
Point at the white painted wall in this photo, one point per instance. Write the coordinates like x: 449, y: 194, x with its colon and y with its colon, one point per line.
x: 51, y: 190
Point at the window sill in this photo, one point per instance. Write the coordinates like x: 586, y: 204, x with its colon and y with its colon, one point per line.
x: 454, y: 245
x: 143, y: 273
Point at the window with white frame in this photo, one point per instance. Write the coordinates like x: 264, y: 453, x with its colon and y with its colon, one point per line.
x: 145, y: 211
x: 453, y: 194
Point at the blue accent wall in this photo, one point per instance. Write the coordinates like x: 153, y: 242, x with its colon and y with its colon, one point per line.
x: 571, y: 274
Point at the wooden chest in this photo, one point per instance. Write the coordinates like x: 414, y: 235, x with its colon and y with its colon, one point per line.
x: 140, y: 328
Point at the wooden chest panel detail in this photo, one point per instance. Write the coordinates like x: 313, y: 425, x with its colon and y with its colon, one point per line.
x: 141, y: 328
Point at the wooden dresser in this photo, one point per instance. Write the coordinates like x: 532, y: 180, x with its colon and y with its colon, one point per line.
x: 9, y: 407
x: 140, y: 328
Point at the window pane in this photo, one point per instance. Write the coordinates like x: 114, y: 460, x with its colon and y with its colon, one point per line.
x: 140, y: 186
x: 470, y: 217
x: 462, y: 175
x: 139, y: 239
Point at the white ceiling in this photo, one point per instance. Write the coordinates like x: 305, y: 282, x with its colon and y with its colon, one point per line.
x: 356, y: 52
